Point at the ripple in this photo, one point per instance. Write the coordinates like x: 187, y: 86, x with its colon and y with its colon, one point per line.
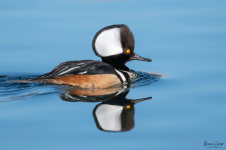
x: 143, y: 78
x: 14, y: 90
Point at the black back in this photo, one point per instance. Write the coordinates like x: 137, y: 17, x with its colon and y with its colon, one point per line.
x: 88, y: 67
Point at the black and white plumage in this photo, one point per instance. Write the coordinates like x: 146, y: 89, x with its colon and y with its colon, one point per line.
x: 85, y: 67
x: 117, y: 55
x: 115, y: 45
x: 113, y: 40
x: 116, y: 114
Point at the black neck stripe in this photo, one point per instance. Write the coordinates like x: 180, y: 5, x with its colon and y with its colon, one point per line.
x: 125, y: 75
x: 120, y: 78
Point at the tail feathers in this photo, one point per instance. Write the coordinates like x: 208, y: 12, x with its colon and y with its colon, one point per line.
x: 22, y: 81
x: 33, y: 80
x: 42, y: 78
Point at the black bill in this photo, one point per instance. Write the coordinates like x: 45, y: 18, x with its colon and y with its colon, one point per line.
x: 137, y: 57
x: 140, y: 100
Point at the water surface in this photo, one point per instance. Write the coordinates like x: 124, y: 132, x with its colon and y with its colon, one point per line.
x: 184, y: 39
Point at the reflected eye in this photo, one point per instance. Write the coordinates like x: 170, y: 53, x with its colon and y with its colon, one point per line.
x: 128, y: 106
x: 128, y: 51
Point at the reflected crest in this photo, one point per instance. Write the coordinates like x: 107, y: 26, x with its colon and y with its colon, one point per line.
x: 115, y: 113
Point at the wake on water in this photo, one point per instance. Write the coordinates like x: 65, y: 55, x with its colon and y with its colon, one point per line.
x: 14, y: 90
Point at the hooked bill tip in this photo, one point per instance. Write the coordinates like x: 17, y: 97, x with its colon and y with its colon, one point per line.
x: 137, y: 57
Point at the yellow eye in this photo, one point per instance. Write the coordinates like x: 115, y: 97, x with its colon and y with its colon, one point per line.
x: 128, y: 106
x: 128, y: 51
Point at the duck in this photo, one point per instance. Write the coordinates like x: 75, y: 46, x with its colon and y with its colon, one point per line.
x: 115, y: 113
x: 115, y: 45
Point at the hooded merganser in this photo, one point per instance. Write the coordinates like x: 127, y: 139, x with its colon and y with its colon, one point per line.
x: 115, y: 113
x: 115, y: 45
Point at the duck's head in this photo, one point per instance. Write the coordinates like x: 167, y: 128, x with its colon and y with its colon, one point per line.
x: 115, y: 45
x: 116, y: 114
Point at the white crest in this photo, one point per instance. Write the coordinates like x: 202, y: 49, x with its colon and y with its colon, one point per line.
x: 108, y: 42
x: 109, y: 117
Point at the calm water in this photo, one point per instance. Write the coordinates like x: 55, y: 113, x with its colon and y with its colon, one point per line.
x: 185, y: 40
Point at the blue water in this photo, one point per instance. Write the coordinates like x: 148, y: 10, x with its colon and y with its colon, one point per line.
x: 186, y: 41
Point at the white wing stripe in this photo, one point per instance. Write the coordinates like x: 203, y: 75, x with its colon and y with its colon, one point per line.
x: 67, y: 70
x: 82, y: 72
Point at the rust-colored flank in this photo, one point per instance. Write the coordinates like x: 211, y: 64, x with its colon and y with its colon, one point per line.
x: 101, y: 81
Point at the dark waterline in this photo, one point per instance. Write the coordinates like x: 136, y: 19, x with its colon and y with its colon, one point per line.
x: 184, y: 39
x: 15, y: 90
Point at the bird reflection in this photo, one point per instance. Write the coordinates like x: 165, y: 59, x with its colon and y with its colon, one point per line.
x: 115, y: 113
x: 79, y: 95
